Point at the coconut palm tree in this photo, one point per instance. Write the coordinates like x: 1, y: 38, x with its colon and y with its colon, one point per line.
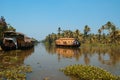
x: 3, y: 23
x: 3, y: 27
x: 86, y: 30
x: 76, y: 34
x: 115, y: 36
x: 99, y: 31
x: 10, y: 28
x: 59, y: 30
x: 65, y: 33
x: 111, y: 28
x: 70, y: 34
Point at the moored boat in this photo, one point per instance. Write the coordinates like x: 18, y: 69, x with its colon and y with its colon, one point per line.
x: 15, y: 40
x: 67, y: 42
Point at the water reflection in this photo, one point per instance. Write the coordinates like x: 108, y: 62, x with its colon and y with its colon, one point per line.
x: 105, y: 55
x: 47, y: 60
x: 68, y: 53
x: 109, y: 56
x: 14, y: 58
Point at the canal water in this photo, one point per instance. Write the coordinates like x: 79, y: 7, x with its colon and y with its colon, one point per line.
x: 47, y: 60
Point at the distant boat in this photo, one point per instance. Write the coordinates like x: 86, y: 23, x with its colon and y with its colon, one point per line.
x: 67, y: 42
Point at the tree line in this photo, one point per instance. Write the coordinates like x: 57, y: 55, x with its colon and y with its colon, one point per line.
x: 4, y: 26
x: 113, y: 35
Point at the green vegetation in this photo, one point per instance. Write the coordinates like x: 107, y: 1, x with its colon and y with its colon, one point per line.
x: 15, y: 73
x: 4, y: 26
x: 83, y: 72
x: 12, y: 65
x: 111, y: 37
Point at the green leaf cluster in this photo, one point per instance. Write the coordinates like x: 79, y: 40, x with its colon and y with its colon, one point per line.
x: 88, y: 72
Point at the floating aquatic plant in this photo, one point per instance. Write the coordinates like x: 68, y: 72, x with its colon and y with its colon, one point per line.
x: 84, y: 72
x: 15, y: 73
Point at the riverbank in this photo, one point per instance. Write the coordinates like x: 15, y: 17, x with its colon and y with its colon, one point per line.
x: 100, y: 45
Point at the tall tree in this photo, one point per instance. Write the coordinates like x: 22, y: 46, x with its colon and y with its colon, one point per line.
x: 59, y: 30
x: 99, y: 31
x: 76, y: 34
x: 86, y: 30
x: 3, y: 26
x: 3, y: 23
x: 67, y: 33
x: 10, y: 28
x: 111, y: 28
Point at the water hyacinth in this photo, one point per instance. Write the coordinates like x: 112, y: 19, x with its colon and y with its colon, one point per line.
x: 84, y: 72
x: 15, y: 73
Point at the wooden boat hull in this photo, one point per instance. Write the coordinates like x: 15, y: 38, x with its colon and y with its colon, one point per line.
x: 67, y: 42
x: 7, y: 48
x: 68, y: 45
x: 14, y: 40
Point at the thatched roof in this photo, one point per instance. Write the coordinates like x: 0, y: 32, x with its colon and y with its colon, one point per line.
x: 66, y: 39
x: 27, y: 39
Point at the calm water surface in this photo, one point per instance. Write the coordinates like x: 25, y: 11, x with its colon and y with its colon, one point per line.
x: 47, y: 60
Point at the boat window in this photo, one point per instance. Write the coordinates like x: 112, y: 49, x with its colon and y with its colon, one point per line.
x: 10, y: 41
x: 64, y: 42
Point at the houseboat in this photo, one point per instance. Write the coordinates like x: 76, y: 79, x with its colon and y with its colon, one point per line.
x: 15, y: 40
x: 67, y: 42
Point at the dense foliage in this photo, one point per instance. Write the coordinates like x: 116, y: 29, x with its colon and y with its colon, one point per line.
x: 83, y: 72
x: 4, y: 26
x: 111, y: 36
x: 15, y: 73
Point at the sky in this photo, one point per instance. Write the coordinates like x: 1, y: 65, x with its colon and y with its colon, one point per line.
x: 38, y: 18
